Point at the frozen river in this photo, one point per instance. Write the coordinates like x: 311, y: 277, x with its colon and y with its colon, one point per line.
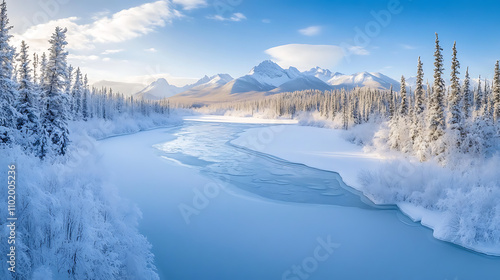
x: 213, y: 210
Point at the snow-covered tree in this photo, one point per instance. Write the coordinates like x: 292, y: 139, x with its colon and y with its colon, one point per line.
x: 77, y: 93
x: 454, y: 101
x: 392, y: 106
x: 35, y: 68
x: 43, y: 70
x: 496, y: 93
x: 8, y: 87
x: 85, y: 99
x: 468, y: 99
x: 55, y: 102
x: 478, y: 98
x: 419, y: 90
x: 28, y: 121
x: 403, y: 109
x: 417, y: 128
x: 435, y: 111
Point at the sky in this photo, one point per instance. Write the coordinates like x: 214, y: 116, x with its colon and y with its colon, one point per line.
x: 183, y: 40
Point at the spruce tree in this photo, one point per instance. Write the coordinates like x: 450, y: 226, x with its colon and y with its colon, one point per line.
x: 392, y: 109
x: 35, y: 68
x: 27, y: 105
x: 55, y: 114
x: 454, y: 99
x: 77, y: 93
x: 467, y: 96
x: 478, y: 98
x: 496, y: 93
x: 85, y: 99
x: 403, y: 109
x: 8, y: 87
x: 436, y: 105
x: 43, y: 69
x: 419, y: 90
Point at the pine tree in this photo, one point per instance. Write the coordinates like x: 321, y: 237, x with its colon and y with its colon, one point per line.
x: 8, y: 92
x: 496, y: 93
x: 85, y: 99
x: 355, y: 114
x: 487, y: 108
x: 467, y: 96
x: 27, y: 105
x: 478, y: 98
x: 417, y: 128
x: 454, y: 101
x: 345, y: 110
x: 77, y: 93
x: 419, y: 90
x: 392, y: 109
x: 55, y: 116
x: 43, y: 70
x: 35, y: 68
x: 403, y: 109
x: 67, y: 88
x: 436, y: 105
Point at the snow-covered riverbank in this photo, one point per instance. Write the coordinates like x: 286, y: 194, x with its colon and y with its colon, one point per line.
x: 328, y: 149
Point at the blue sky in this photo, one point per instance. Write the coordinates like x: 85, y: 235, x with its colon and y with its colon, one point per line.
x: 139, y: 41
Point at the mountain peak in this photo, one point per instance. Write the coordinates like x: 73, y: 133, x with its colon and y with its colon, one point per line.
x: 160, y: 81
x: 323, y: 74
x: 157, y: 90
x: 363, y: 79
x: 266, y: 67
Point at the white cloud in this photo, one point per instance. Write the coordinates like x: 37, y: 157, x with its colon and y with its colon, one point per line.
x: 234, y: 17
x: 357, y: 50
x: 112, y: 51
x: 191, y: 4
x: 153, y: 50
x: 132, y: 23
x: 266, y: 20
x: 119, y: 27
x: 37, y: 36
x: 305, y: 57
x: 82, y: 57
x: 106, y: 59
x: 408, y: 47
x: 310, y: 31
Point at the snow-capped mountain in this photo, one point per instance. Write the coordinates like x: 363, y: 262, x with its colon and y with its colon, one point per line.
x: 323, y: 74
x: 303, y: 82
x: 269, y: 78
x: 217, y: 80
x: 270, y: 73
x: 158, y: 89
x: 205, y: 86
x: 364, y: 79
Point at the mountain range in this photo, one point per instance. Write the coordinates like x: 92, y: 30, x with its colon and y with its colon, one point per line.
x: 267, y: 78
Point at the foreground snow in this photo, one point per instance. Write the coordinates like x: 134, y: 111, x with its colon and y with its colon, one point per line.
x: 420, y: 190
